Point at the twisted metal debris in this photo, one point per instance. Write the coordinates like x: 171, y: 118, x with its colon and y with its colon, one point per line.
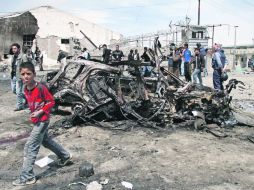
x: 99, y: 93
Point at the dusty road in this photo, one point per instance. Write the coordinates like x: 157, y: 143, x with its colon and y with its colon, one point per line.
x: 178, y: 160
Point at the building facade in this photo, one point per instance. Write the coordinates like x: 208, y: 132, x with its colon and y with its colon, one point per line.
x: 242, y: 54
x: 51, y: 30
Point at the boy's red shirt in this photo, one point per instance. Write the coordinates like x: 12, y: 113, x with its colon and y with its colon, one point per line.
x: 38, y: 101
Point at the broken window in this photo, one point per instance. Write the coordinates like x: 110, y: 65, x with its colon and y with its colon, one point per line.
x: 65, y: 41
x: 28, y: 40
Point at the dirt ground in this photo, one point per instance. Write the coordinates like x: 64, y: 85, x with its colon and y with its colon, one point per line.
x: 181, y: 159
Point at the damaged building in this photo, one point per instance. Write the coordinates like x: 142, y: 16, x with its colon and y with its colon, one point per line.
x: 53, y: 30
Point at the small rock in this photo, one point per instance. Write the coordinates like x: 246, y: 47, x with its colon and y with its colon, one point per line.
x: 86, y: 170
x: 104, y: 181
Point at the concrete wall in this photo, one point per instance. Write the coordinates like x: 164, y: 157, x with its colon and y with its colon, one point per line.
x: 49, y: 46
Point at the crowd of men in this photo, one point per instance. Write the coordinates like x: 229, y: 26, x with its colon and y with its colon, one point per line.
x: 191, y: 66
x: 181, y: 61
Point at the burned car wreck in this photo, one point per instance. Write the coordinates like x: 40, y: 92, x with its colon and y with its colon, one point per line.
x: 108, y: 95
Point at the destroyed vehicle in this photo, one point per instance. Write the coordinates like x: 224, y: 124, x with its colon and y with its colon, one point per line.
x: 98, y: 92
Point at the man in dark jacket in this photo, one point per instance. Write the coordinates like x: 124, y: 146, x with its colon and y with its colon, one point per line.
x: 147, y: 70
x: 117, y: 55
x: 131, y: 55
x: 106, y: 54
x: 197, y: 67
x: 16, y: 82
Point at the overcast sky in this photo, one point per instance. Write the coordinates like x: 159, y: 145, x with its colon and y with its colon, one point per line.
x: 131, y: 17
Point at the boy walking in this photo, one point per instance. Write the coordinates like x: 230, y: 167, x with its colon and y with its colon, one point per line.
x: 40, y: 102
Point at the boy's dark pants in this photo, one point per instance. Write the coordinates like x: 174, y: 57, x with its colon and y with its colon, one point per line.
x: 38, y: 136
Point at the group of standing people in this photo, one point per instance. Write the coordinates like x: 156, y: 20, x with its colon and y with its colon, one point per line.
x: 133, y: 55
x: 191, y: 66
x: 180, y: 62
x: 108, y: 55
x: 117, y: 54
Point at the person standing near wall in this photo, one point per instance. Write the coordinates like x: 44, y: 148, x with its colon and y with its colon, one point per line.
x: 16, y: 82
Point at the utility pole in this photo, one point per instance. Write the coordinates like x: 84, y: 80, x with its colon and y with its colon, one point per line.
x: 213, y: 26
x: 234, y: 58
x: 198, y: 12
x: 213, y: 36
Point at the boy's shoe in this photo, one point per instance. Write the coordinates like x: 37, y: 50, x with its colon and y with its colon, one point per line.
x: 19, y: 182
x: 64, y: 162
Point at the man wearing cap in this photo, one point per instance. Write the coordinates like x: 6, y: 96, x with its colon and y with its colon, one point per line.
x: 219, y: 64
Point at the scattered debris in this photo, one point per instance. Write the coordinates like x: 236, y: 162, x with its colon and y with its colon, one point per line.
x: 127, y: 185
x: 77, y: 183
x: 244, y: 111
x: 44, y: 162
x: 94, y: 186
x: 104, y: 181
